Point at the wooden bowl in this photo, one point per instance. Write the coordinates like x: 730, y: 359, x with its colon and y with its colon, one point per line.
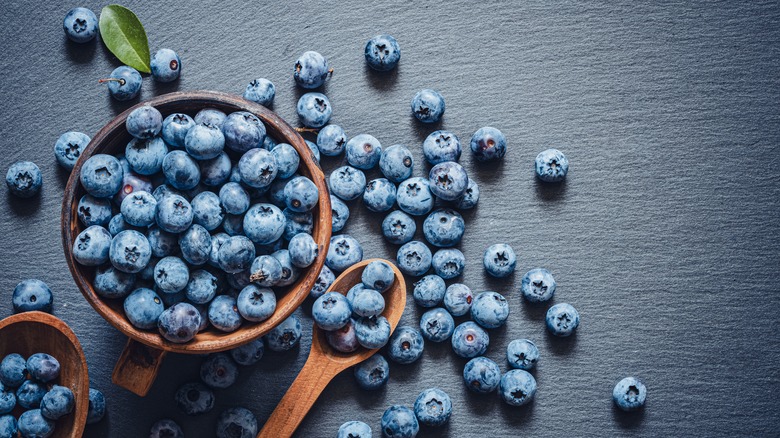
x: 37, y: 332
x: 112, y: 139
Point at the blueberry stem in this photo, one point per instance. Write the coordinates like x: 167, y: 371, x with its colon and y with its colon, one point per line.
x: 103, y: 81
x: 311, y: 130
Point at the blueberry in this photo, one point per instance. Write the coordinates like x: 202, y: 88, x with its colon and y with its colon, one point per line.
x: 551, y: 165
x: 236, y: 254
x: 97, y: 406
x: 363, y: 151
x: 174, y: 298
x: 124, y: 83
x: 139, y: 209
x: 398, y: 421
x: 481, y: 375
x: 344, y: 339
x: 31, y: 295
x: 469, y: 340
x: 94, y: 211
x: 175, y: 128
x: 331, y: 311
x: 490, y: 310
x: 33, y: 424
x: 339, y: 214
x: 301, y: 194
x: 216, y: 242
x: 398, y: 227
x: 58, y: 402
x: 517, y: 387
x: 257, y: 168
x: 372, y: 332
x: 314, y: 110
x: 30, y: 394
x: 248, y: 354
x: 204, y: 142
x: 522, y: 354
x: 372, y: 373
x: 315, y: 151
x: 297, y: 223
x: 448, y: 180
x: 24, y: 179
x: 311, y: 70
x: 441, y: 146
x: 194, y: 398
x: 437, y: 325
x: 276, y: 191
x: 266, y: 271
x: 353, y: 291
x: 406, y: 345
x: 354, y: 429
x: 287, y: 160
x: 414, y: 258
x: 396, y: 163
x: 13, y: 370
x: 8, y: 428
x: 260, y: 91
x: 171, y: 275
x: 144, y: 122
x: 113, y: 283
x: 43, y: 367
x: 433, y: 407
x: 218, y: 371
x: 382, y: 53
x: 166, y: 428
x: 414, y: 196
x: 470, y: 197
x: 323, y: 282
x: 236, y: 423
x: 91, y: 247
x: 264, y: 223
x: 444, y: 228
x: 343, y: 252
x: 216, y: 171
x: 289, y: 272
x: 234, y: 198
x: 331, y: 140
x: 180, y: 170
x: 174, y: 214
x: 347, y: 183
x: 202, y: 287
x: 303, y: 250
x: 69, y: 147
x: 488, y: 144
x: 256, y: 303
x: 243, y: 131
x: 210, y: 116
x: 284, y: 336
x: 499, y: 260
x: 130, y: 251
x: 368, y: 302
x: 179, y: 323
x: 378, y: 275
x: 429, y: 291
x: 269, y: 143
x: 118, y: 224
x: 143, y: 308
x: 131, y: 183
x: 145, y: 156
x: 164, y: 190
x: 195, y: 245
x: 562, y: 319
x: 448, y: 263
x: 537, y: 285
x: 629, y: 394
x: 7, y: 400
x: 458, y: 299
x: 379, y: 195
x: 207, y: 210
x: 428, y: 106
x: 81, y: 25
x: 166, y: 66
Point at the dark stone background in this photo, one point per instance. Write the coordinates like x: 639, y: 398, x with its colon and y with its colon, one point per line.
x: 665, y: 236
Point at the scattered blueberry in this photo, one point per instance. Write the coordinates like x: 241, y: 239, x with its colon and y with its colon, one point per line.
x: 406, y: 345
x: 458, y: 299
x: 444, y: 228
x: 437, y: 325
x: 629, y: 394
x: 343, y: 252
x: 284, y: 336
x: 562, y: 319
x: 490, y: 310
x: 414, y: 258
x: 429, y: 291
x: 414, y: 196
x: 69, y: 147
x: 354, y: 429
x: 323, y: 282
x: 124, y: 83
x: 31, y: 295
x: 398, y: 421
x: 517, y: 387
x: 396, y: 163
x: 81, y: 25
x: 339, y: 214
x: 448, y: 263
x: 551, y: 165
x: 218, y: 371
x: 382, y: 53
x: 24, y: 179
x: 481, y: 375
x: 441, y: 146
x: 398, y: 227
x: 499, y: 260
x: 470, y: 197
x: 165, y: 428
x: 372, y: 373
x: 331, y: 140
x: 347, y: 183
x: 261, y: 91
x: 428, y: 106
x: 379, y: 195
x: 236, y: 423
x: 448, y: 180
x: 488, y: 144
x: 537, y: 285
x: 522, y: 354
x: 166, y: 66
x: 311, y: 70
x: 469, y: 340
x: 248, y: 354
x: 314, y: 110
x: 97, y: 406
x: 363, y: 151
x: 433, y: 407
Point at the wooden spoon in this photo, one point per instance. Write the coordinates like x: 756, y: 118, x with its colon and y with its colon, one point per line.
x: 37, y: 332
x: 324, y: 362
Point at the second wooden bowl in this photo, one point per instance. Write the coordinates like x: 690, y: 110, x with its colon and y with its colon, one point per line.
x: 112, y: 139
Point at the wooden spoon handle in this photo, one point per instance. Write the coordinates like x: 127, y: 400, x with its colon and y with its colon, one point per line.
x: 304, y: 391
x: 137, y: 367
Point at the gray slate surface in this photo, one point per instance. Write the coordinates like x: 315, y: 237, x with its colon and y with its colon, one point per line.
x: 665, y: 236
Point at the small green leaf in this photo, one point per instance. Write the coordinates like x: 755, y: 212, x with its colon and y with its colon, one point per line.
x: 125, y: 37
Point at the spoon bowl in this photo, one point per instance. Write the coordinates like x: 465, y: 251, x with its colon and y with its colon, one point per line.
x: 37, y: 332
x: 325, y: 362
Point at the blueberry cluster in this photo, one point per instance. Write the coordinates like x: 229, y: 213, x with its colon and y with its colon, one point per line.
x: 31, y: 385
x: 197, y: 222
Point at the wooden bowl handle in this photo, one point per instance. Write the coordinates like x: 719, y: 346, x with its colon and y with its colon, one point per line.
x: 137, y: 367
x: 315, y: 375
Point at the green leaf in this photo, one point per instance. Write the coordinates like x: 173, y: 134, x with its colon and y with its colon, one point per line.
x: 124, y: 35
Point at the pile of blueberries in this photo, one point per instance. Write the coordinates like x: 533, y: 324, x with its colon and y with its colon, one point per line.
x: 203, y: 215
x: 30, y: 384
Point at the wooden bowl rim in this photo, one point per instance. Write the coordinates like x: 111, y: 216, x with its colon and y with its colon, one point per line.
x: 282, y: 131
x: 81, y: 407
